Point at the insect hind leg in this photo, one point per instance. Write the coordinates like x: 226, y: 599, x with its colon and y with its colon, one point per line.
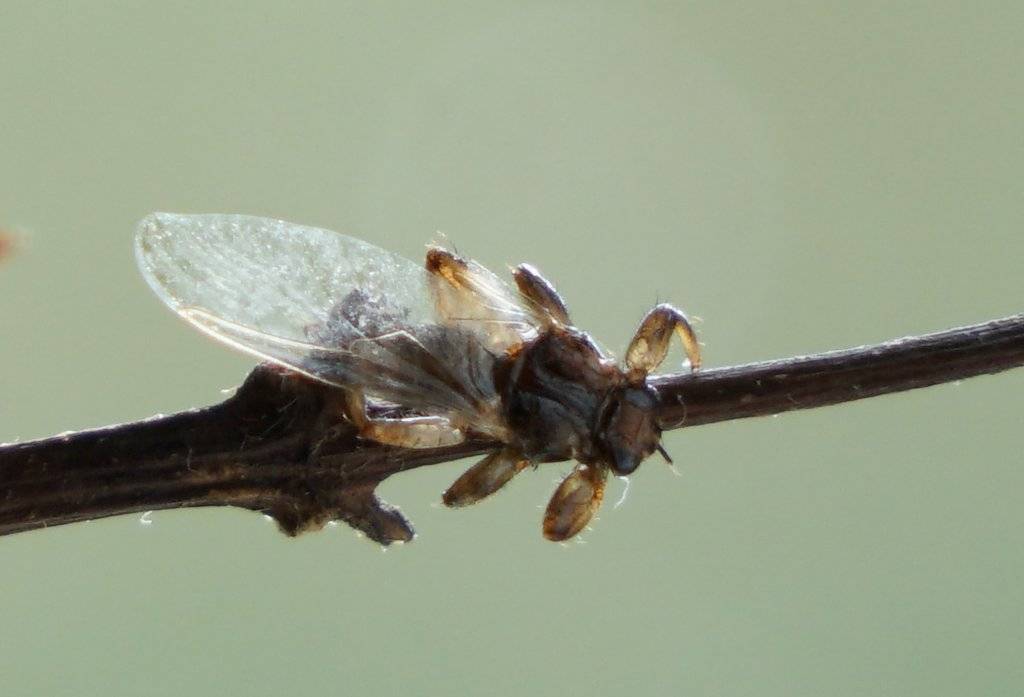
x: 409, y: 432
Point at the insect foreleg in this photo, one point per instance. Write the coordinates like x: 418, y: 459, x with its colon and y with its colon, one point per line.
x: 650, y: 343
x: 410, y: 432
x: 575, y: 502
x: 546, y: 303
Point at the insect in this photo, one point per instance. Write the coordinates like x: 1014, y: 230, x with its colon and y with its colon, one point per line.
x: 460, y: 349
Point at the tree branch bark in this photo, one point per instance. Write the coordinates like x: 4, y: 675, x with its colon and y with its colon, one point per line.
x: 278, y: 445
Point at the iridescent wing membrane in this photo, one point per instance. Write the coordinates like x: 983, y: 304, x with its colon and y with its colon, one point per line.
x: 334, y: 308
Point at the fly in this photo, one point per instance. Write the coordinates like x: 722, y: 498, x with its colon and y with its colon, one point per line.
x: 464, y: 352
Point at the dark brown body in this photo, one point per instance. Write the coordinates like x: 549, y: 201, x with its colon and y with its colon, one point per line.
x: 553, y: 392
x: 513, y: 368
x: 555, y: 395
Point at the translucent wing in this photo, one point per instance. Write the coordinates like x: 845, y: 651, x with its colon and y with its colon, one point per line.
x: 325, y: 304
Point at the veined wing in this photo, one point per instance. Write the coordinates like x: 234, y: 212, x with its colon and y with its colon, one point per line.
x: 327, y: 305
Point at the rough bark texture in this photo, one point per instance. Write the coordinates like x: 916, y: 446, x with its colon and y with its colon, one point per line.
x: 278, y: 445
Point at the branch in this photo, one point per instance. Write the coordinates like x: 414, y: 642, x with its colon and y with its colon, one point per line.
x: 278, y: 446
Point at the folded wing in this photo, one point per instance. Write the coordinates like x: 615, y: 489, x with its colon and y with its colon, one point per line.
x: 332, y: 307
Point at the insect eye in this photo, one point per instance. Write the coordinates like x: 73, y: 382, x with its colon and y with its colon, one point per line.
x: 624, y: 461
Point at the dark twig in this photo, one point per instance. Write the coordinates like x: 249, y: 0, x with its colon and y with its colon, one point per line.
x: 278, y: 445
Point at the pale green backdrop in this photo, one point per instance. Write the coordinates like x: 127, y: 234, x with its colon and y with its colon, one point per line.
x: 803, y: 176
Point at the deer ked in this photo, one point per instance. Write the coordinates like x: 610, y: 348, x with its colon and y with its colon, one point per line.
x: 461, y: 351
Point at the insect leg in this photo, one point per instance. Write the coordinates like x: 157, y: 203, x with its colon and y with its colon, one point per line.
x: 485, y: 477
x: 547, y: 304
x: 463, y: 290
x: 650, y: 343
x: 575, y: 502
x: 452, y: 284
x: 410, y: 432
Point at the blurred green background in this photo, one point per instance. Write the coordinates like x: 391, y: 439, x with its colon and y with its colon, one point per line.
x: 804, y: 176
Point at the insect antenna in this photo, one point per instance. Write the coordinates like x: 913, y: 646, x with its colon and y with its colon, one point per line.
x: 664, y: 454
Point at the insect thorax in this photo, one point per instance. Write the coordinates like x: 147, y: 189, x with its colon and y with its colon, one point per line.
x: 552, y: 393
